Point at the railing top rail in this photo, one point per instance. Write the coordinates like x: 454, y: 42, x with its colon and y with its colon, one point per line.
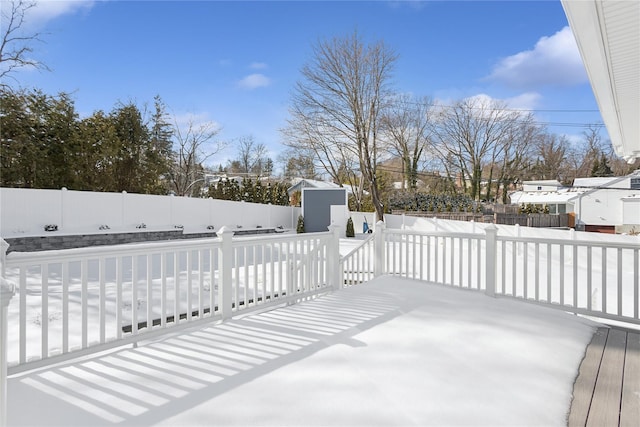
x: 570, y: 242
x: 264, y: 238
x: 523, y: 239
x: 142, y: 248
x: 478, y: 235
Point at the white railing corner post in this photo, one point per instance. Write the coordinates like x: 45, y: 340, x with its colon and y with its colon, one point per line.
x: 379, y: 262
x: 491, y: 259
x: 7, y: 290
x: 225, y: 289
x: 333, y: 255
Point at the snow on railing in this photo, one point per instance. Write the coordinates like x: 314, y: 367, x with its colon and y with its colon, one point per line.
x: 79, y: 301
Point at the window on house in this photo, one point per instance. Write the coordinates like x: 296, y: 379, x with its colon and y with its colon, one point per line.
x: 539, y: 187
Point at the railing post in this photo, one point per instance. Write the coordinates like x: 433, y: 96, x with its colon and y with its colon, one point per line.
x: 225, y: 289
x: 379, y: 262
x: 7, y: 291
x: 491, y: 242
x: 333, y: 255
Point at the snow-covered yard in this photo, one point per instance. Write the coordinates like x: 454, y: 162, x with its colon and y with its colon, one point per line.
x: 389, y: 352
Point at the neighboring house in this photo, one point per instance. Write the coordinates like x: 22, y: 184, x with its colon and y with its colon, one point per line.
x: 610, y: 205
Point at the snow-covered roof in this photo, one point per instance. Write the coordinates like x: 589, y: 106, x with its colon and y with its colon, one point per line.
x: 595, y: 182
x: 545, y: 197
x: 310, y: 183
x: 546, y: 182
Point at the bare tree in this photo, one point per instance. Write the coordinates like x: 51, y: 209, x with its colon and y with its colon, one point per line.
x: 252, y: 156
x: 472, y: 136
x: 405, y: 125
x: 194, y: 144
x: 297, y: 164
x: 550, y: 157
x: 16, y: 45
x: 336, y: 107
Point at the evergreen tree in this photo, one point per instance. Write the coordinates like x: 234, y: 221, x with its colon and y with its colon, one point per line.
x: 350, y: 231
x: 300, y: 225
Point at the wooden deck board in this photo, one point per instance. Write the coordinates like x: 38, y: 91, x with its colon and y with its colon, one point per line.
x: 607, y: 389
x: 630, y: 407
x: 605, y: 406
x: 586, y: 381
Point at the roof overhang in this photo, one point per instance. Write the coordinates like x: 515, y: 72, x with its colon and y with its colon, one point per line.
x: 608, y: 37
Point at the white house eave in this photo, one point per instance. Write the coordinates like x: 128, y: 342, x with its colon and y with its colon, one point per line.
x: 608, y: 36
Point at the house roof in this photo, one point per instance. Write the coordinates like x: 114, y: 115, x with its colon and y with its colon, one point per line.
x: 595, y: 182
x: 549, y: 182
x: 608, y: 36
x: 311, y: 183
x: 545, y: 197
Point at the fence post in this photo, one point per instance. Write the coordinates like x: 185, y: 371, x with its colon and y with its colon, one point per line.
x: 333, y: 255
x: 226, y: 283
x: 490, y: 253
x: 7, y: 291
x: 378, y: 266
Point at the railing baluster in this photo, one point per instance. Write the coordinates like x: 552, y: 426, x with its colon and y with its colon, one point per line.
x: 212, y: 281
x: 102, y: 300
x: 549, y: 261
x: 65, y: 307
x: 589, y: 270
x: 201, y: 282
x: 537, y: 270
x: 604, y: 280
x: 619, y: 295
x: 85, y: 290
x: 23, y: 313
x: 525, y: 269
x: 189, y: 284
x: 561, y: 248
x: 163, y: 290
x: 119, y: 308
x: 636, y: 284
x: 574, y: 261
x: 149, y: 292
x: 134, y: 295
x: 44, y: 307
x: 176, y: 287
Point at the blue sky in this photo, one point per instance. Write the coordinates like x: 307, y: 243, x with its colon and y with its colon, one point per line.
x: 235, y: 63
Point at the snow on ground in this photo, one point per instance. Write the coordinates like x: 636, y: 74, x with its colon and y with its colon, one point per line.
x: 390, y: 352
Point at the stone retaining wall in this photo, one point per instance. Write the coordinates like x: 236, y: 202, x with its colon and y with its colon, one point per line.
x: 70, y: 241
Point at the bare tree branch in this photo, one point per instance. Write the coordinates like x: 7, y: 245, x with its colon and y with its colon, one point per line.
x: 16, y: 46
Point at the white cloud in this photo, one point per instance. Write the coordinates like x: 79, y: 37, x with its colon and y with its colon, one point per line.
x: 253, y: 81
x: 183, y: 120
x: 524, y: 101
x: 258, y: 66
x: 48, y: 10
x: 554, y: 61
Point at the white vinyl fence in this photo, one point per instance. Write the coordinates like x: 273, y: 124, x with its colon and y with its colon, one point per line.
x: 26, y: 211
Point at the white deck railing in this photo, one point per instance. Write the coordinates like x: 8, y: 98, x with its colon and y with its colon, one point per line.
x: 590, y: 277
x: 84, y: 300
x: 79, y: 301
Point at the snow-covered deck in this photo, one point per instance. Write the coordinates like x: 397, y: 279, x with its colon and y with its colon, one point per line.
x: 392, y: 351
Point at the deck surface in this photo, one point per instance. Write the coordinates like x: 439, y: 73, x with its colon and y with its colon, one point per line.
x: 607, y: 390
